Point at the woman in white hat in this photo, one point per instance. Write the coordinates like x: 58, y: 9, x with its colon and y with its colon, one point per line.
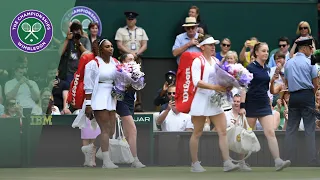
x: 201, y: 106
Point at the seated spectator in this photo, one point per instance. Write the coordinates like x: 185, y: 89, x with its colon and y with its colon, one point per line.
x: 231, y: 57
x: 186, y: 42
x: 232, y: 116
x: 225, y: 47
x: 1, y: 110
x: 12, y: 109
x: 284, y: 45
x: 277, y: 76
x: 247, y: 57
x: 46, y: 105
x: 194, y: 11
x: 26, y: 92
x: 162, y: 98
x: 172, y: 120
x: 282, y: 108
x: 60, y: 91
x: 75, y: 44
x: 207, y: 125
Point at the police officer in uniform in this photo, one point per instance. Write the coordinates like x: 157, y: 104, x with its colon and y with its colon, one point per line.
x: 301, y: 78
x: 131, y: 39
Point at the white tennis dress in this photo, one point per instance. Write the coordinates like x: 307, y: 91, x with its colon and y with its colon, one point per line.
x: 99, y: 82
x: 201, y: 105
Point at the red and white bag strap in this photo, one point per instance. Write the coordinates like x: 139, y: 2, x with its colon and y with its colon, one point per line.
x: 203, y: 62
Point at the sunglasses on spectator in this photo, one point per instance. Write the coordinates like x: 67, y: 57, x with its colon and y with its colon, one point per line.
x: 226, y: 45
x: 282, y: 45
x: 173, y: 93
x: 300, y: 28
x: 191, y: 27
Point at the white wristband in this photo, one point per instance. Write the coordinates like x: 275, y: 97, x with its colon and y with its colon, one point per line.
x: 88, y: 102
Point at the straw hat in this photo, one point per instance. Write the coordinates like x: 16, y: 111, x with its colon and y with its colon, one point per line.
x: 190, y: 21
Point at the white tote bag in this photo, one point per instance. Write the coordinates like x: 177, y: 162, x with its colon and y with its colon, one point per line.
x: 119, y: 148
x: 241, y: 140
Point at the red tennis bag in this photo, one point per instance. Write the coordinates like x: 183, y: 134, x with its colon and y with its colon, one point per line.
x: 76, y: 93
x: 185, y: 89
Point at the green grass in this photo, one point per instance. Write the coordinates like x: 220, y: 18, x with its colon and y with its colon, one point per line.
x: 155, y: 173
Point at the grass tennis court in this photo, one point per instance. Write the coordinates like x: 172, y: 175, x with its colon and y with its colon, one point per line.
x: 156, y: 173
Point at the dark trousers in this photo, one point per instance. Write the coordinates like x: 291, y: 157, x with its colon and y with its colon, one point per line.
x: 300, y: 105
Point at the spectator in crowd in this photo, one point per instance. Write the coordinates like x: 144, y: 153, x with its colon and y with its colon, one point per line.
x: 194, y: 11
x: 23, y: 90
x: 284, y: 45
x: 231, y: 57
x: 75, y: 44
x: 277, y: 76
x: 132, y: 39
x: 225, y: 47
x: 164, y: 96
x: 93, y: 32
x: 60, y: 93
x: 255, y: 103
x: 302, y: 81
x: 12, y: 109
x: 186, y: 42
x: 46, y: 104
x: 303, y: 32
x: 232, y: 116
x: 282, y: 108
x: 171, y: 119
x: 201, y: 106
x: 246, y: 57
x: 125, y: 109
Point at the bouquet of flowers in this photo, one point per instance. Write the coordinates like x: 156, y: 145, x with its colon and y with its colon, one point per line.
x: 230, y: 75
x: 127, y: 74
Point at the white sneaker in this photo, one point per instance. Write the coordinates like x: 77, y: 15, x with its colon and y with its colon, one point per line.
x: 88, y: 153
x: 228, y: 166
x: 196, y: 167
x: 280, y: 165
x: 99, y: 154
x: 107, y: 163
x: 137, y: 164
x: 93, y: 156
x: 244, y: 167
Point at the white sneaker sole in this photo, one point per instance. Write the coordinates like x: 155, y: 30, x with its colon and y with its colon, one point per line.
x: 198, y: 171
x: 235, y: 168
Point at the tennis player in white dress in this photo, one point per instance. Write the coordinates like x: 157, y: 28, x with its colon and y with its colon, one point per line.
x: 201, y: 106
x: 99, y: 104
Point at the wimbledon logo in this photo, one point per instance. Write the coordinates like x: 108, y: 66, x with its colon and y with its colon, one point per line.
x: 31, y: 31
x: 81, y: 14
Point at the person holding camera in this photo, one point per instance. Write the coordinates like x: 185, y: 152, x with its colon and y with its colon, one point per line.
x: 301, y: 78
x: 75, y: 44
x: 162, y: 98
x: 171, y: 119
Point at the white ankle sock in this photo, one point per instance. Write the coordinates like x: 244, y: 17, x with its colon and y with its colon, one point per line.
x: 106, y: 156
x: 278, y: 160
x: 136, y: 158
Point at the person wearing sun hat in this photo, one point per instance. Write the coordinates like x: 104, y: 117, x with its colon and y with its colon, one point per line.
x: 188, y: 41
x: 201, y: 107
x: 301, y: 78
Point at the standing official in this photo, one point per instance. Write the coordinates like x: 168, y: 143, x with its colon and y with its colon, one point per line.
x: 301, y: 78
x: 132, y: 39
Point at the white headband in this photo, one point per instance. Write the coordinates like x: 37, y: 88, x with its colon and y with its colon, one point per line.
x: 209, y: 40
x: 103, y: 40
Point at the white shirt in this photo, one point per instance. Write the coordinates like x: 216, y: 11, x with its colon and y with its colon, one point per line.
x: 23, y: 96
x: 176, y: 122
